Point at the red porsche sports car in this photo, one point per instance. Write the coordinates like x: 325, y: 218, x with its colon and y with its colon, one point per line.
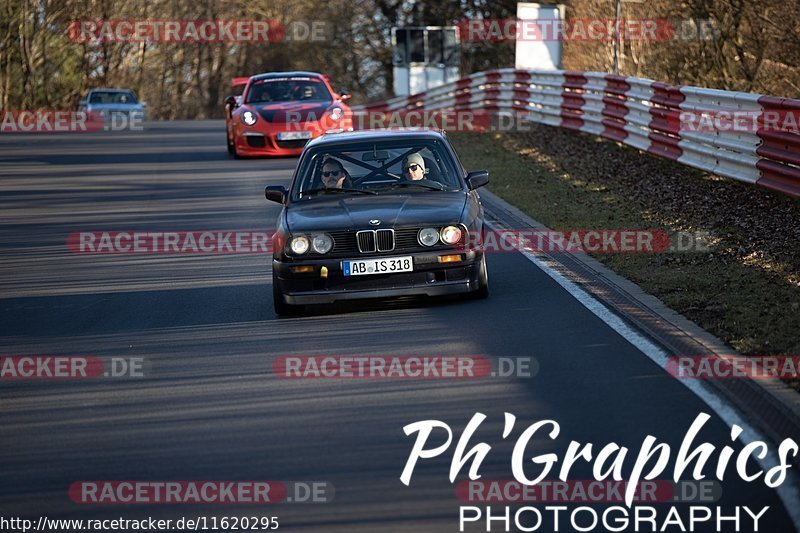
x: 279, y: 112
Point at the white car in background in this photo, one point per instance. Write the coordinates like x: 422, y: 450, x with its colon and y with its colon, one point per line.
x: 110, y: 102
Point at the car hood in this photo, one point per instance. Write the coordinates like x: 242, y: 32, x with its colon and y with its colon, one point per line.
x: 393, y: 210
x: 292, y: 111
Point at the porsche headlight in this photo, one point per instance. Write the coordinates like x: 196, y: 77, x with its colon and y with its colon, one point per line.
x: 336, y: 113
x: 299, y: 244
x: 428, y: 236
x: 249, y: 118
x: 321, y: 243
x: 450, y: 234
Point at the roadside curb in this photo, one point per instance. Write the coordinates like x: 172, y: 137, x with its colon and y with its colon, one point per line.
x: 768, y: 403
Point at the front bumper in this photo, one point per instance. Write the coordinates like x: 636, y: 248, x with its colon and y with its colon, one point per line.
x: 262, y: 138
x: 265, y: 143
x: 429, y: 278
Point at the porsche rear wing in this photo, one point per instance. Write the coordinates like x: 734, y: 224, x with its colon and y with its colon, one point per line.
x: 238, y: 85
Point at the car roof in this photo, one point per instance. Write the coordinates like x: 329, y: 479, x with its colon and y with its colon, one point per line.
x: 375, y: 135
x: 112, y: 90
x: 292, y: 74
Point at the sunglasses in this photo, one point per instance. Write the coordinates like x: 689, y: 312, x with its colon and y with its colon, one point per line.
x: 334, y: 173
x: 413, y: 168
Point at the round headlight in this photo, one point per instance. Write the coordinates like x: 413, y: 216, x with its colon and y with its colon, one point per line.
x: 336, y: 113
x: 299, y: 244
x: 321, y: 243
x: 428, y: 236
x: 249, y: 118
x: 450, y: 234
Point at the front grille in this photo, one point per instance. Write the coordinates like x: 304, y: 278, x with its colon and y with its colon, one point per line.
x: 255, y: 141
x: 291, y: 145
x: 370, y: 241
x: 344, y: 242
x: 385, y: 239
x: 407, y: 238
x: 366, y: 241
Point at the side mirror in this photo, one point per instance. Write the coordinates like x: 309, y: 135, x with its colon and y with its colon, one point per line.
x: 344, y: 95
x: 476, y: 179
x: 144, y: 104
x: 276, y: 193
x: 230, y: 105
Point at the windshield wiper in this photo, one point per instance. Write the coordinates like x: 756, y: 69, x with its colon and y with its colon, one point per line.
x: 333, y: 189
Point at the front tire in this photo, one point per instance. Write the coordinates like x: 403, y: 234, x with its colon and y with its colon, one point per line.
x: 231, y: 147
x: 482, y: 292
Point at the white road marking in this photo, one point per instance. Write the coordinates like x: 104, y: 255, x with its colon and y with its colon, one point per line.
x: 788, y: 491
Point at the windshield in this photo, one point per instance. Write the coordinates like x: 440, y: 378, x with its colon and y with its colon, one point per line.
x: 112, y: 97
x: 413, y: 165
x: 287, y: 90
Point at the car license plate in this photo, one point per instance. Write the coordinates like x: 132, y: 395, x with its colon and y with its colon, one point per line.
x: 294, y: 135
x: 386, y: 265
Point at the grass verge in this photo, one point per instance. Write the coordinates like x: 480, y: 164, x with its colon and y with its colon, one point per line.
x: 745, y: 290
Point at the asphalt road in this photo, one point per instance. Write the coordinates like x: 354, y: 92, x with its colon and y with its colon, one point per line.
x: 210, y: 407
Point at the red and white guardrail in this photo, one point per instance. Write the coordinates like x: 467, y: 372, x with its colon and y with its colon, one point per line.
x: 642, y: 113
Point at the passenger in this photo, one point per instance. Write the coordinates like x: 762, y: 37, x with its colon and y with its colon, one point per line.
x: 334, y: 176
x: 414, y: 167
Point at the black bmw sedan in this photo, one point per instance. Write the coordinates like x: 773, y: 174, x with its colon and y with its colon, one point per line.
x: 377, y: 214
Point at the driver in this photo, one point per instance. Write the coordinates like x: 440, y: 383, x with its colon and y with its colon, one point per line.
x: 414, y: 167
x: 334, y: 176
